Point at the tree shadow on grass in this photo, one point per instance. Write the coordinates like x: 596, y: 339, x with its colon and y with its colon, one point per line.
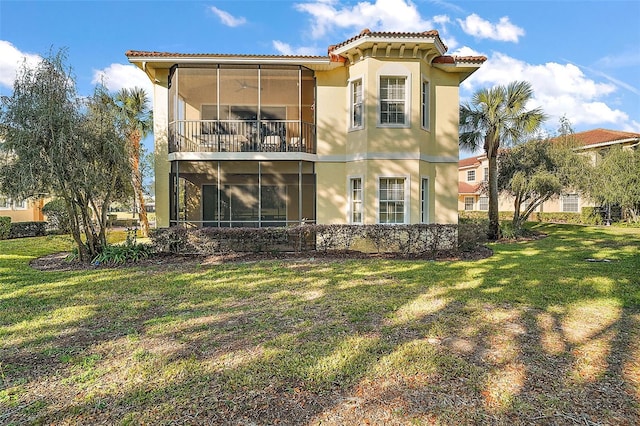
x: 522, y: 337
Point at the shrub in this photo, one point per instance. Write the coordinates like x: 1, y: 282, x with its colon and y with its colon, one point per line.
x: 591, y: 216
x: 57, y: 215
x: 472, y: 232
x: 558, y: 217
x: 404, y: 239
x: 27, y: 229
x: 130, y: 251
x: 126, y: 223
x: 5, y: 227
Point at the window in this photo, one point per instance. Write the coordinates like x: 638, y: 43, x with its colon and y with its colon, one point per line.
x: 393, y: 100
x: 7, y: 203
x: 468, y: 203
x: 485, y: 175
x: 570, y: 203
x: 356, y: 105
x: 471, y: 175
x: 392, y: 200
x: 425, y: 105
x: 424, y: 200
x: 483, y: 203
x: 356, y: 200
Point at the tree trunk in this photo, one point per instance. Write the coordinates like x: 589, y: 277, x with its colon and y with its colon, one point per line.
x: 494, y: 220
x: 137, y: 185
x: 516, y: 211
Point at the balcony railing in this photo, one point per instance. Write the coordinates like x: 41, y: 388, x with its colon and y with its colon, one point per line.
x: 241, y: 136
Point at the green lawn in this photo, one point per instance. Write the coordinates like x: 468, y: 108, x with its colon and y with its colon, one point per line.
x: 534, y: 334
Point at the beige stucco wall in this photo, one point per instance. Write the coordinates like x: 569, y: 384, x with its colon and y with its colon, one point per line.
x: 375, y: 151
x: 32, y: 212
x: 161, y: 148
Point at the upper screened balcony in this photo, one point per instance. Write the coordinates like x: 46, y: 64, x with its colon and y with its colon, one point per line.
x: 241, y: 108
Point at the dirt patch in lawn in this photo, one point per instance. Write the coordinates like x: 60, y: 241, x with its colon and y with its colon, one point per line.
x: 59, y: 262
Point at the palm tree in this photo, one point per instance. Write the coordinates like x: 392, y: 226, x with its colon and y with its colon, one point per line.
x: 497, y: 116
x: 137, y: 122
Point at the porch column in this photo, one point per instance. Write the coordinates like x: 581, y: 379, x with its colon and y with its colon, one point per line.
x: 300, y: 192
x: 259, y: 194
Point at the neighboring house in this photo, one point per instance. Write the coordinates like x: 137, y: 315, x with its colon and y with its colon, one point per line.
x: 29, y: 210
x: 367, y: 134
x: 474, y: 170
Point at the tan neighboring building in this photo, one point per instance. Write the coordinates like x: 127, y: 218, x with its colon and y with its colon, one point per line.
x: 473, y: 171
x: 22, y: 211
x: 366, y: 134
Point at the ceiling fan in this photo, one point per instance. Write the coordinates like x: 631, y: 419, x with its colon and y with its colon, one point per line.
x: 244, y: 85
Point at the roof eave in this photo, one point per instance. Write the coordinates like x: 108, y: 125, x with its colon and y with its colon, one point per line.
x: 607, y: 143
x: 465, y: 69
x: 431, y: 41
x: 315, y: 63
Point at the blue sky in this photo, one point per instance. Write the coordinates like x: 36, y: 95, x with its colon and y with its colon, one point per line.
x: 582, y: 57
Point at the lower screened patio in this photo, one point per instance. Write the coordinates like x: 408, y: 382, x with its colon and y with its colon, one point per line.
x: 242, y: 193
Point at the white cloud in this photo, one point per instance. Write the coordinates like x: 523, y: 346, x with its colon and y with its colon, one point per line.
x: 559, y: 89
x: 504, y: 30
x: 119, y: 76
x: 466, y: 51
x: 286, y: 49
x: 442, y: 22
x: 381, y: 15
x: 228, y: 19
x: 11, y: 59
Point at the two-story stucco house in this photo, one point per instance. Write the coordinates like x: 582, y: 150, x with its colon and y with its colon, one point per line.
x: 474, y: 171
x: 367, y: 134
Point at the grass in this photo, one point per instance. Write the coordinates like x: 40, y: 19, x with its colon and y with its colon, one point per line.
x: 533, y: 335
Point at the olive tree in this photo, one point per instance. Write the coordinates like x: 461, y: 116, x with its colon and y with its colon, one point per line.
x: 55, y: 142
x: 535, y: 171
x: 615, y: 180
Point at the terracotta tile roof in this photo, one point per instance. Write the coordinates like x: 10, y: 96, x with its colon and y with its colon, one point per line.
x: 332, y: 57
x: 381, y: 34
x: 453, y: 59
x: 154, y: 54
x: 467, y: 188
x: 602, y: 136
x: 466, y: 162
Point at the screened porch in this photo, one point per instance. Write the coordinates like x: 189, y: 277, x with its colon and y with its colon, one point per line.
x: 242, y: 193
x: 241, y: 108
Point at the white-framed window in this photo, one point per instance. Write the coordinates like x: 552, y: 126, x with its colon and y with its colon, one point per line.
x: 20, y: 204
x: 424, y: 200
x: 356, y: 120
x: 468, y: 203
x: 570, y: 203
x: 471, y: 175
x: 355, y: 199
x: 424, y: 106
x: 7, y: 203
x: 392, y: 205
x: 485, y: 174
x: 393, y: 103
x: 483, y: 203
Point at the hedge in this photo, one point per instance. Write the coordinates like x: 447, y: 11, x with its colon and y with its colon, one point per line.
x: 27, y: 229
x: 5, y: 227
x: 589, y: 216
x: 404, y: 239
